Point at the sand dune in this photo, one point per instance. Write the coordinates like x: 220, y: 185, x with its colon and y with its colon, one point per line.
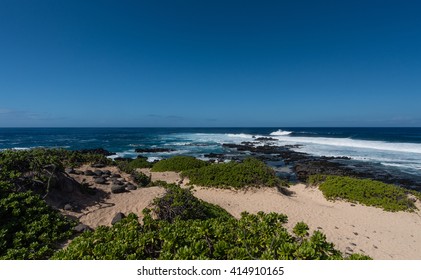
x: 353, y: 229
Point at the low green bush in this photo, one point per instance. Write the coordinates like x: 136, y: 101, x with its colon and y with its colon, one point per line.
x: 129, y: 165
x: 138, y: 177
x: 249, y: 173
x: 30, y: 229
x: 179, y: 203
x: 260, y: 236
x: 365, y: 191
x: 178, y: 164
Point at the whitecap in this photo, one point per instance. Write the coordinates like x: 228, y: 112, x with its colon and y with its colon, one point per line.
x: 280, y: 132
x: 239, y: 135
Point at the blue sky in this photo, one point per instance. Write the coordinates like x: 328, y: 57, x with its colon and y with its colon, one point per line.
x: 210, y: 63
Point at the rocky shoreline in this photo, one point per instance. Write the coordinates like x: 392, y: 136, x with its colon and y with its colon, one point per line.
x: 297, y: 166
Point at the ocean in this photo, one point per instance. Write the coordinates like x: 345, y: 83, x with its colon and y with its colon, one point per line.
x: 397, y: 148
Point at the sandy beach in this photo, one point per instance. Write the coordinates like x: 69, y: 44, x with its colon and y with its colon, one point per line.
x: 352, y: 228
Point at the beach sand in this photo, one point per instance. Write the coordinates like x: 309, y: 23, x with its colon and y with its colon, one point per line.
x: 352, y: 228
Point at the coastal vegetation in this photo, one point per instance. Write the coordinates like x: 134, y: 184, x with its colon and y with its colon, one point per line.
x: 130, y: 167
x: 140, y: 162
x: 178, y: 164
x: 189, y: 236
x: 179, y: 203
x: 177, y: 225
x: 365, y: 191
x: 30, y: 229
x: 249, y: 173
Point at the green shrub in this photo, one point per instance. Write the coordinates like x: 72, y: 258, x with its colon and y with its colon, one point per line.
x: 129, y: 165
x: 178, y: 164
x: 138, y: 177
x: 368, y: 192
x: 30, y: 229
x: 260, y: 236
x: 300, y: 229
x: 182, y: 204
x: 249, y: 173
x: 140, y: 162
x: 141, y: 179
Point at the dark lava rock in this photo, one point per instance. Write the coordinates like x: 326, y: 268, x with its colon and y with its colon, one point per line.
x: 130, y: 187
x: 89, y: 173
x: 117, y: 218
x: 100, y: 180
x: 309, y: 167
x: 266, y: 139
x: 98, y: 165
x: 78, y: 172
x: 213, y: 155
x: 154, y: 150
x: 140, y: 156
x: 250, y: 147
x: 98, y: 172
x: 106, y: 172
x: 98, y: 151
x: 80, y: 228
x: 115, y: 175
x: 63, y: 182
x: 117, y: 182
x: 118, y: 189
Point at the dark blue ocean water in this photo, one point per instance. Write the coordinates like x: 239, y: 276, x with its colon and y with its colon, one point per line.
x: 395, y: 147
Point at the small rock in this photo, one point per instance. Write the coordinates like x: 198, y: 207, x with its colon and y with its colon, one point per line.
x: 68, y: 207
x: 82, y: 228
x: 78, y: 172
x: 375, y: 247
x: 117, y: 218
x: 115, y: 175
x: 118, y: 189
x: 98, y: 172
x: 130, y: 187
x: 349, y: 249
x: 98, y: 165
x: 353, y: 205
x: 107, y: 172
x: 117, y: 182
x: 100, y: 180
x: 89, y: 173
x: 355, y: 233
x: 353, y: 244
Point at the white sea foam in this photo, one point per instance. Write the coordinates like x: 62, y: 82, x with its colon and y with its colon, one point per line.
x: 128, y: 153
x: 353, y: 143
x: 405, y: 155
x: 240, y: 135
x: 280, y: 132
x: 18, y: 149
x: 152, y: 159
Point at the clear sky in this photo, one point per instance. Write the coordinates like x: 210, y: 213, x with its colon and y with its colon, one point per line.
x: 210, y: 63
